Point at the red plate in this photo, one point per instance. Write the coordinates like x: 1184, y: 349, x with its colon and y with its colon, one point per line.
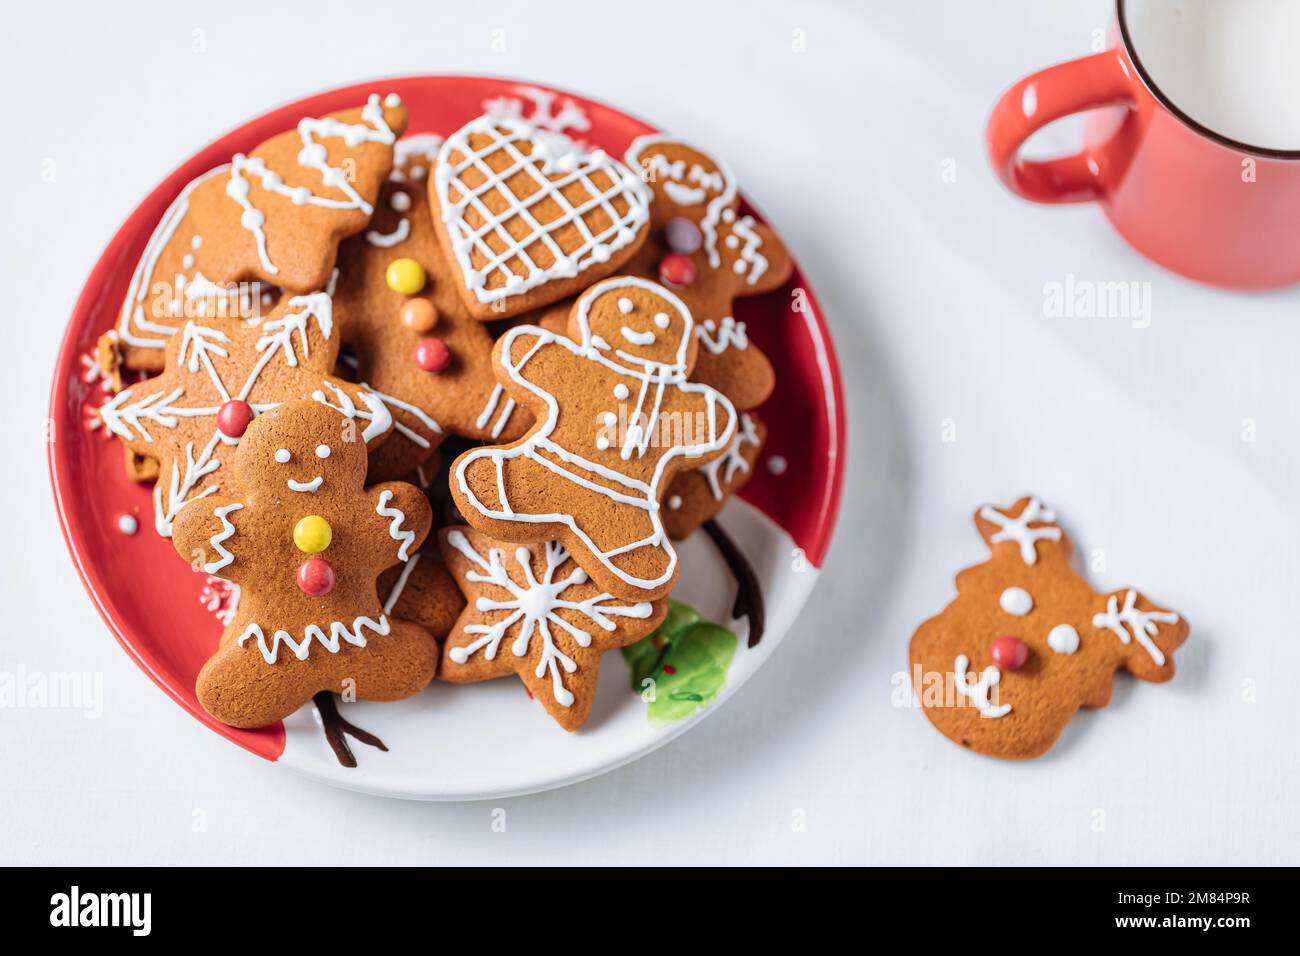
x: 152, y: 601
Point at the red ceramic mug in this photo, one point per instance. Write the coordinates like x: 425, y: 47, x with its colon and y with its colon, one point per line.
x: 1194, y: 201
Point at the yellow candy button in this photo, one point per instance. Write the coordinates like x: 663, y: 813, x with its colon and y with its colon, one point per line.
x: 313, y: 534
x: 405, y: 276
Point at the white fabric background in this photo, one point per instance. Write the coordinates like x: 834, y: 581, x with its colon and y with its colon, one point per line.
x: 934, y: 292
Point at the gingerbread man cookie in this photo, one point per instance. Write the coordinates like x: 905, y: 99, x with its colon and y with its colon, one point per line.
x: 219, y: 377
x: 306, y: 542
x: 616, y: 420
x: 416, y: 343
x: 702, y: 247
x: 277, y: 215
x: 1027, y: 642
x: 532, y: 611
x: 529, y: 217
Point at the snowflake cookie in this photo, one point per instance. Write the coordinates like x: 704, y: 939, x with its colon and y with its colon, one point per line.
x: 532, y: 611
x: 1027, y: 642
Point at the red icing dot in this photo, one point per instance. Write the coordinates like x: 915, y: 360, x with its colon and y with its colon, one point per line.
x: 233, y: 417
x: 315, y: 577
x: 432, y: 355
x: 669, y: 669
x: 1010, y: 653
x: 677, y: 269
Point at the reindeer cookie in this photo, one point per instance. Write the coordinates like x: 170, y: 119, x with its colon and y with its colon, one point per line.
x: 219, y: 376
x: 615, y: 421
x: 532, y: 611
x: 702, y: 247
x: 306, y: 542
x: 416, y: 343
x: 1027, y: 642
x: 529, y: 216
x: 277, y: 214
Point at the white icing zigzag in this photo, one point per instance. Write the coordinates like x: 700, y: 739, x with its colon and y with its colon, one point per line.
x: 532, y: 606
x: 1142, y: 623
x: 395, y: 529
x: 720, y: 471
x: 338, y: 632
x: 218, y: 540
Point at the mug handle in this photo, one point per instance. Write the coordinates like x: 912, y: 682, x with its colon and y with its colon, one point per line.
x: 1101, y: 79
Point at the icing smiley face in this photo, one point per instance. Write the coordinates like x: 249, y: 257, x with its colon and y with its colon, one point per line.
x: 638, y: 323
x: 304, y: 466
x: 1027, y: 641
x: 698, y: 185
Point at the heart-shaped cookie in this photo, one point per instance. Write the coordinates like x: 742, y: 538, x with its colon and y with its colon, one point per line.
x: 530, y: 216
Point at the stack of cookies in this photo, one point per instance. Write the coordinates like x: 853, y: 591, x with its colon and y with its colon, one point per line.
x: 317, y: 317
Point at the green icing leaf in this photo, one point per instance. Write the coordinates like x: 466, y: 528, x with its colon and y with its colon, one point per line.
x: 687, y: 658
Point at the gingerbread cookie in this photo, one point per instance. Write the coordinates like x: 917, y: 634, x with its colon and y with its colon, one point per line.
x: 305, y: 542
x: 702, y: 247
x: 529, y: 216
x: 616, y: 420
x: 1027, y: 642
x: 277, y: 215
x: 697, y: 495
x: 168, y: 289
x: 221, y: 375
x: 530, y: 610
x: 416, y: 343
x: 422, y: 590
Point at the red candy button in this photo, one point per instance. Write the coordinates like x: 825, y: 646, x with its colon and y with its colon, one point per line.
x: 315, y: 577
x: 1010, y: 653
x: 677, y: 269
x: 233, y: 418
x: 432, y: 355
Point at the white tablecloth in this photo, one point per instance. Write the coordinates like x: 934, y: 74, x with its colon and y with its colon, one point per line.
x: 1170, y: 449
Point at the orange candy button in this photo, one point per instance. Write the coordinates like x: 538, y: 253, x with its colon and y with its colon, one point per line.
x: 419, y: 315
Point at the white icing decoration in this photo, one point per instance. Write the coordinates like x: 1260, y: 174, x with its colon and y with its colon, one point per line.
x: 622, y: 488
x: 218, y: 540
x: 1016, y: 601
x: 721, y: 181
x: 553, y: 154
x: 322, y: 451
x: 400, y: 584
x: 395, y: 529
x: 625, y: 305
x: 376, y: 413
x: 383, y: 240
x: 313, y: 155
x: 533, y: 606
x: 751, y: 259
x: 979, y: 691
x: 569, y: 116
x: 1063, y: 639
x: 662, y: 320
x: 338, y: 633
x: 1017, y: 529
x: 381, y: 400
x: 777, y: 465
x: 282, y: 456
x: 490, y: 406
x: 720, y: 471
x: 717, y: 338
x: 1142, y: 623
x: 674, y: 501
x: 638, y: 338
x: 399, y: 201
x: 308, y: 487
x: 621, y: 392
x: 127, y: 524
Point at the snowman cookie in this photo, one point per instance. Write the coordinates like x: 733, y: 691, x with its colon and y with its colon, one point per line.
x: 305, y: 542
x: 416, y: 343
x: 1027, y: 642
x: 615, y: 420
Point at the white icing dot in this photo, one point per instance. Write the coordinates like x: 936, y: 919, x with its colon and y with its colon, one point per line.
x: 282, y: 456
x: 675, y: 502
x: 399, y: 201
x: 739, y: 266
x: 127, y: 524
x: 729, y: 215
x: 196, y: 242
x: 732, y: 242
x: 602, y: 442
x: 322, y: 451
x: 187, y: 262
x: 1063, y: 639
x: 610, y: 419
x: 625, y: 305
x: 392, y: 99
x: 1016, y: 601
x: 621, y: 392
x: 661, y: 319
x: 777, y: 465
